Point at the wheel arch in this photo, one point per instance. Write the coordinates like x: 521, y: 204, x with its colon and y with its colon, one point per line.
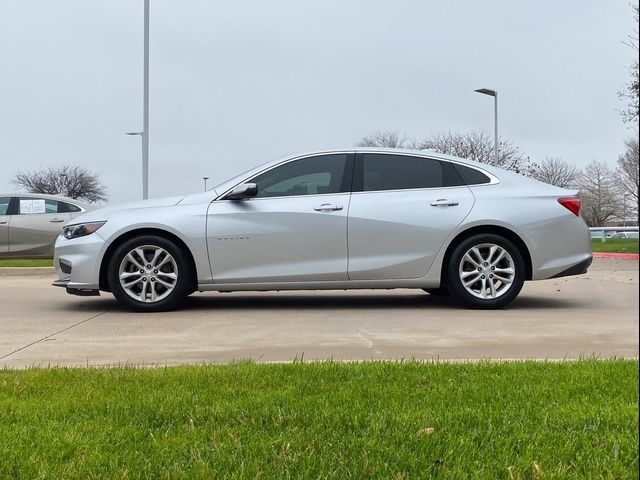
x: 103, y: 280
x: 510, y: 235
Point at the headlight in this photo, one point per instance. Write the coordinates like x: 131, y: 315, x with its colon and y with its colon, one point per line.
x: 81, y: 230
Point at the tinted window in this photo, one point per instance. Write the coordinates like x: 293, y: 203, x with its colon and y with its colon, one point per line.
x: 68, y: 208
x: 471, y: 176
x: 4, y: 205
x: 398, y: 172
x: 307, y: 176
x: 28, y: 206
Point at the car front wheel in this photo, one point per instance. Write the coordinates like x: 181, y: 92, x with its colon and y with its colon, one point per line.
x: 149, y: 274
x: 485, y: 271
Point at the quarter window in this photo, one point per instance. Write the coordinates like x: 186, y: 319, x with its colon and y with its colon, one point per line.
x: 471, y: 176
x: 64, y: 207
x: 307, y: 176
x: 399, y: 172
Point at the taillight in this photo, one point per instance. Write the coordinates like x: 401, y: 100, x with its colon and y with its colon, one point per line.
x: 571, y: 203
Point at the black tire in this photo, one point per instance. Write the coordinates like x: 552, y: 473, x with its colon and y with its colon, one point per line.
x: 183, y: 270
x: 438, y: 292
x: 460, y: 292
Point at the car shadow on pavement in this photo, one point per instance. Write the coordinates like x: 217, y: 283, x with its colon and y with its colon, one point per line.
x: 347, y: 301
x: 342, y: 301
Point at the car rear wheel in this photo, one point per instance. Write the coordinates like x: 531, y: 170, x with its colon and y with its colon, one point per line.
x: 485, y: 271
x: 149, y: 274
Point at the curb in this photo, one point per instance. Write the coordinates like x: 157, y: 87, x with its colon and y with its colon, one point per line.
x: 23, y: 271
x: 616, y: 256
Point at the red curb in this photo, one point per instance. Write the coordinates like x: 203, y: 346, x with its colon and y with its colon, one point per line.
x: 616, y: 256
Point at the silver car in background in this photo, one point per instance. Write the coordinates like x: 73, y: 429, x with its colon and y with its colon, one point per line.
x: 342, y: 219
x: 31, y: 222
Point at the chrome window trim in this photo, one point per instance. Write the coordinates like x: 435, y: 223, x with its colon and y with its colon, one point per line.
x: 493, y: 180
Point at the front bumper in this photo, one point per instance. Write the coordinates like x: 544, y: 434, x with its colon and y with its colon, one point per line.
x: 77, y: 263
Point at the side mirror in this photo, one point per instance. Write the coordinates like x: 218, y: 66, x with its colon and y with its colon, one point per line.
x: 245, y: 190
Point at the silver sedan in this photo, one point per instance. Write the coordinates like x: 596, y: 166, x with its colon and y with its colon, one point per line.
x: 31, y: 222
x: 343, y: 219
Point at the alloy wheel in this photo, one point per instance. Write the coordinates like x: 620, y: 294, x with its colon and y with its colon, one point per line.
x: 487, y: 271
x: 148, y: 273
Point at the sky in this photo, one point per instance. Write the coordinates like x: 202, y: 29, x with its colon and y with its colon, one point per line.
x: 236, y: 83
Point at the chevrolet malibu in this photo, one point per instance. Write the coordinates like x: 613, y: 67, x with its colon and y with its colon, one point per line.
x: 343, y: 219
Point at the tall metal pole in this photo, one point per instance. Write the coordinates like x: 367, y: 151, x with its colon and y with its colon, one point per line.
x: 495, y: 126
x: 145, y: 107
x: 205, y: 182
x: 494, y: 94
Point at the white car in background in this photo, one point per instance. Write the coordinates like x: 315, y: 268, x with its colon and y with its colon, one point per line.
x: 31, y: 222
x: 342, y: 219
x: 632, y: 235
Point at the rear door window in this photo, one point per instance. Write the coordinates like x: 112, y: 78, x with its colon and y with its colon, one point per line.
x: 379, y: 171
x: 35, y: 206
x: 4, y: 205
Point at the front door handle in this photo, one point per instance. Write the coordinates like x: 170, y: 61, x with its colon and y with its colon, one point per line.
x: 328, y: 207
x: 3, y: 222
x: 57, y: 220
x: 443, y: 202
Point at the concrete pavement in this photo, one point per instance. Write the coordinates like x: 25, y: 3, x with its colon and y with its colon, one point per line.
x: 593, y: 314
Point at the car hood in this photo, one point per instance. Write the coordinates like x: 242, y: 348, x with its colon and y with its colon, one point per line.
x: 102, y: 214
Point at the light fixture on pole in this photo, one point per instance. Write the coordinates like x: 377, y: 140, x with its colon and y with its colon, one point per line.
x: 494, y: 94
x: 205, y: 182
x: 144, y: 134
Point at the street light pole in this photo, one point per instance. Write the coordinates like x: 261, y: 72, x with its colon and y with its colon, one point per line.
x: 145, y: 106
x: 144, y: 134
x: 205, y: 182
x: 63, y: 181
x: 494, y: 94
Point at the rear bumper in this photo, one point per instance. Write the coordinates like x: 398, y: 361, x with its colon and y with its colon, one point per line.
x: 577, y: 269
x: 559, y: 247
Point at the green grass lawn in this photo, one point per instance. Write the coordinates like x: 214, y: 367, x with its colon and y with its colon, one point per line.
x: 18, y: 262
x: 323, y: 420
x: 618, y: 245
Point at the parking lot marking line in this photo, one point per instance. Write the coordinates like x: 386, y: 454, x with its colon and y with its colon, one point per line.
x: 53, y: 334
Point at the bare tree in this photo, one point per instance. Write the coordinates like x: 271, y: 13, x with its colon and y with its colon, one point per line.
x: 631, y: 91
x: 628, y: 177
x: 68, y: 180
x: 478, y: 146
x: 600, y: 194
x: 555, y: 171
x: 383, y: 138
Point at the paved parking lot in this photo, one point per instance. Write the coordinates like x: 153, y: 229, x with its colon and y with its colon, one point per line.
x: 594, y: 314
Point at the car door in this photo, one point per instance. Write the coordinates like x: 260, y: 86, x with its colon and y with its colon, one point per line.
x: 34, y: 226
x: 4, y: 224
x: 294, y: 230
x: 402, y: 210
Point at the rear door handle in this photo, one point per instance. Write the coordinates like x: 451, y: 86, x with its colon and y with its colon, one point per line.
x: 443, y: 202
x: 328, y: 207
x: 56, y: 220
